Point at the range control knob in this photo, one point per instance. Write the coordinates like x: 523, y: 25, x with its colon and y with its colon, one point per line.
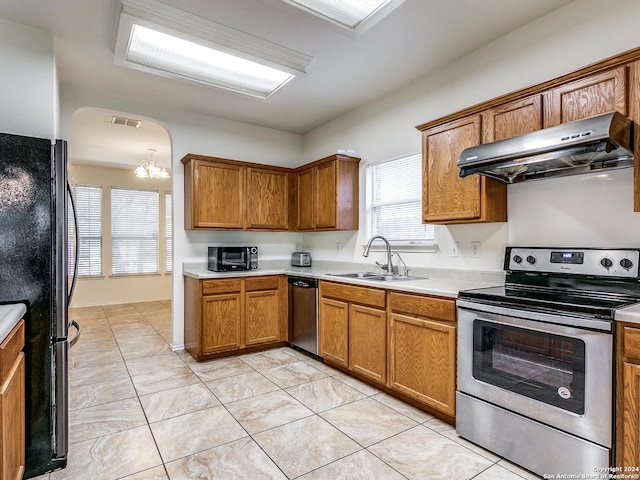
x: 626, y: 263
x: 606, y: 263
x: 531, y: 259
x: 517, y: 259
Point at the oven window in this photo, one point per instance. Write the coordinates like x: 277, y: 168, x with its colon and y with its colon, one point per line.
x: 542, y: 366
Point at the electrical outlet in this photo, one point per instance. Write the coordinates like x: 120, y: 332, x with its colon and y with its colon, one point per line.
x: 475, y: 249
x: 298, y: 246
x: 455, y: 249
x: 338, y: 246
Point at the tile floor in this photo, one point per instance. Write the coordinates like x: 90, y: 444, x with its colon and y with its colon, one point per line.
x: 139, y: 411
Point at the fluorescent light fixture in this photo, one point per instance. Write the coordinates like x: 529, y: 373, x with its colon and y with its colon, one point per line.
x: 152, y: 37
x: 351, y: 14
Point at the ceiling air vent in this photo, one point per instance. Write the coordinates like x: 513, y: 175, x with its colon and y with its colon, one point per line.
x: 127, y: 122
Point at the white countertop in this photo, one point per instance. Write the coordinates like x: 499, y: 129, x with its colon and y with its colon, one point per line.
x: 629, y: 314
x: 437, y: 282
x: 10, y: 315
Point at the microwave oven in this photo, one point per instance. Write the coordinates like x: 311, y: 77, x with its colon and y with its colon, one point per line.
x: 226, y: 259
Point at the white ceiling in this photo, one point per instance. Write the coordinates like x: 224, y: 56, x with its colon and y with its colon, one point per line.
x: 418, y: 37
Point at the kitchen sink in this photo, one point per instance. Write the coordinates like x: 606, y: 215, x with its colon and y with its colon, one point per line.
x: 380, y: 277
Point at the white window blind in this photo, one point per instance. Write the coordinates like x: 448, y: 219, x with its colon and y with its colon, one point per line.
x: 134, y: 231
x: 394, y: 203
x: 168, y: 230
x: 88, y: 202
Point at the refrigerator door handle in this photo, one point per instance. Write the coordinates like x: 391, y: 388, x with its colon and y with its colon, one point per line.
x: 76, y: 254
x: 76, y: 337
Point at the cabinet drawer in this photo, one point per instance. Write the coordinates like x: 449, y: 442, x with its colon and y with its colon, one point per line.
x: 632, y: 342
x: 10, y: 349
x: 424, y: 306
x: 220, y: 286
x: 261, y: 283
x: 360, y: 295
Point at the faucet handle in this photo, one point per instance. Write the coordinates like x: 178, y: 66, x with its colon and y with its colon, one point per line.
x: 383, y: 266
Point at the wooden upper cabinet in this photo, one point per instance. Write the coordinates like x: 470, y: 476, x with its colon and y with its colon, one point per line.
x: 305, y: 199
x: 328, y: 194
x: 592, y: 95
x: 215, y: 195
x: 267, y: 199
x: 446, y: 197
x: 512, y: 119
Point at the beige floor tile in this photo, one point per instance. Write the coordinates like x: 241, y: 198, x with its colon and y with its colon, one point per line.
x: 526, y: 474
x: 361, y: 465
x: 238, y: 460
x: 324, y: 394
x: 399, y: 406
x: 421, y: 453
x: 177, y: 401
x: 368, y: 421
x: 194, y: 432
x: 97, y: 374
x: 239, y: 387
x: 100, y: 356
x: 304, y: 445
x: 293, y: 374
x: 84, y: 396
x: 266, y: 411
x: 156, y: 473
x: 271, y: 358
x: 87, y: 313
x: 140, y: 366
x: 357, y: 384
x: 133, y: 330
x: 111, y: 457
x: 220, y: 368
x: 149, y: 346
x: 496, y: 472
x: 100, y: 420
x: 163, y: 380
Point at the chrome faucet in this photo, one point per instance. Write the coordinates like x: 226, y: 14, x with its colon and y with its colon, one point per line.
x: 389, y: 265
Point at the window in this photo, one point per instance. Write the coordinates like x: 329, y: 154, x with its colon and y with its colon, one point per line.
x: 394, y: 201
x: 168, y: 230
x: 134, y: 231
x: 88, y: 202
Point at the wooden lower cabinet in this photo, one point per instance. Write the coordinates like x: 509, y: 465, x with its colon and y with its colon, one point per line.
x: 12, y: 405
x: 628, y: 396
x: 353, y: 329
x: 422, y: 349
x: 235, y: 314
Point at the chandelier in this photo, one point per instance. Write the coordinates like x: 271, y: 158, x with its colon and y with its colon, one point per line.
x: 149, y: 169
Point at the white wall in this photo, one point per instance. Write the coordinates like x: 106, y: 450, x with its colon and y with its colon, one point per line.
x: 587, y: 210
x: 28, y: 92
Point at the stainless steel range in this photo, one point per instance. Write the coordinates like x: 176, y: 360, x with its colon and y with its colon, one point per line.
x: 536, y: 357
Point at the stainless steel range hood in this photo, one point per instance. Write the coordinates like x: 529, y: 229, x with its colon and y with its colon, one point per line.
x: 583, y: 146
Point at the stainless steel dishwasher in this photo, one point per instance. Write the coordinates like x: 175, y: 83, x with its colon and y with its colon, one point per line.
x: 303, y: 313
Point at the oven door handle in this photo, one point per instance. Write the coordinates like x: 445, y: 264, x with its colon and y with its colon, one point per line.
x: 565, y: 320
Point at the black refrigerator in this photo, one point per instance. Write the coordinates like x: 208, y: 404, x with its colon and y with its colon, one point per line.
x: 34, y: 269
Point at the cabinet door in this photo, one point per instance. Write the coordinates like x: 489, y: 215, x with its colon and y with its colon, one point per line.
x: 267, y: 199
x: 333, y: 323
x: 326, y: 196
x: 512, y: 119
x: 629, y: 454
x: 262, y: 317
x: 12, y: 416
x: 306, y: 199
x: 423, y: 361
x: 446, y: 196
x: 599, y: 93
x: 221, y: 323
x: 368, y: 342
x: 219, y: 195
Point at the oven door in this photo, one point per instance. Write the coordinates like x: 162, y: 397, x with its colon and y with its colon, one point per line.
x: 556, y: 374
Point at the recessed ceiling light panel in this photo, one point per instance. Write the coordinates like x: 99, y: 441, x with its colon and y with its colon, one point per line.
x: 152, y: 37
x: 351, y: 14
